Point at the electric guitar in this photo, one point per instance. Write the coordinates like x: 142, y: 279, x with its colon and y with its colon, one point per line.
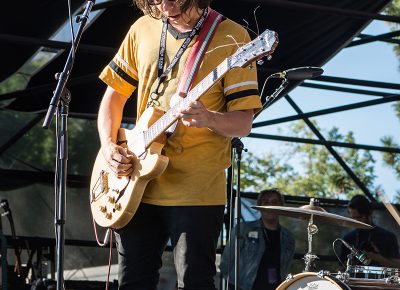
x: 114, y: 200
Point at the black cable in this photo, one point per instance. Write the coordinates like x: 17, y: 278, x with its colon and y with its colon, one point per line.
x: 334, y: 251
x: 231, y: 222
x: 271, y: 98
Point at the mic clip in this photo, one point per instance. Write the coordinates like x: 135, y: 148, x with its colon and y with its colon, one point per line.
x: 279, y: 75
x: 361, y: 256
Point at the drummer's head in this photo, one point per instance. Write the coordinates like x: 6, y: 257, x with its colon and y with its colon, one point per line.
x: 270, y: 197
x: 360, y: 208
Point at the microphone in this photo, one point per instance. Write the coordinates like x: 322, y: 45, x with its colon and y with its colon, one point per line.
x: 360, y: 255
x: 299, y: 73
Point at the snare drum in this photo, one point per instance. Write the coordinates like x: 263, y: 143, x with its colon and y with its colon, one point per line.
x: 311, y: 280
x: 371, y: 272
x: 370, y: 277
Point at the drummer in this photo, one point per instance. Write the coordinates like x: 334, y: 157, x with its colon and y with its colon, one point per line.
x: 379, y: 244
x: 266, y: 249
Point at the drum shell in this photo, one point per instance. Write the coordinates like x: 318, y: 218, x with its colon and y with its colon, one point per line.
x: 311, y: 280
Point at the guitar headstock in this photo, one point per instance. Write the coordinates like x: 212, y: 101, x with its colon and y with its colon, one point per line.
x: 264, y: 44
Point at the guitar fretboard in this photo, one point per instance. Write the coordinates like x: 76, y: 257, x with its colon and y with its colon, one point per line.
x: 262, y: 45
x: 162, y: 124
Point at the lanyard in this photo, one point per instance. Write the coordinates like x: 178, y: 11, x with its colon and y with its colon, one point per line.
x: 161, y: 56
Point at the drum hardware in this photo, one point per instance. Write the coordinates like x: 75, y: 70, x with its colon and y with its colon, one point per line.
x: 356, y: 277
x: 324, y: 280
x: 363, y: 277
x: 323, y: 273
x: 370, y: 277
x: 309, y: 257
x: 393, y: 280
x: 313, y: 212
x: 343, y: 276
x: 289, y: 277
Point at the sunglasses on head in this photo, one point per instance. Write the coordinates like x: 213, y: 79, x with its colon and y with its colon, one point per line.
x: 157, y: 2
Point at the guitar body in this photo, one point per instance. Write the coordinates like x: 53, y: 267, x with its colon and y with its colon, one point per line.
x: 114, y: 200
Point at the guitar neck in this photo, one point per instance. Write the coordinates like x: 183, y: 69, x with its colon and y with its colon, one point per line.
x: 162, y: 124
x: 264, y: 44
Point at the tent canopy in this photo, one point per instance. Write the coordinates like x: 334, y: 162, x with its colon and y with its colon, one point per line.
x: 309, y: 35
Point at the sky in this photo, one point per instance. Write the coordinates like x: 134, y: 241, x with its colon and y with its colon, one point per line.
x: 374, y: 62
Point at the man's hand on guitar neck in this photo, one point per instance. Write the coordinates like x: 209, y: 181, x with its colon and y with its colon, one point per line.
x: 119, y: 159
x: 230, y: 124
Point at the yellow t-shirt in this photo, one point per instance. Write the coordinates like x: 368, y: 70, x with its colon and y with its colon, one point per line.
x: 197, y: 156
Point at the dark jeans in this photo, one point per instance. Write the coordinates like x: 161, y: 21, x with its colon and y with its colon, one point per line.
x: 193, y: 230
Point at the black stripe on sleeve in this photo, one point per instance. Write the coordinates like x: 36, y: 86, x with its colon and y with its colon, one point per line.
x: 241, y: 94
x: 123, y: 74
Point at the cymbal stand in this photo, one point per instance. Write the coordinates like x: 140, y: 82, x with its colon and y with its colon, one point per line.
x: 309, y: 258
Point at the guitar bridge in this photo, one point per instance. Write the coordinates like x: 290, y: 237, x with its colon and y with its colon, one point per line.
x: 102, y: 183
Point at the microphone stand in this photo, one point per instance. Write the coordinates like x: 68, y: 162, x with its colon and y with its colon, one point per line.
x: 293, y: 74
x: 60, y: 103
x: 348, y: 262
x: 237, y: 147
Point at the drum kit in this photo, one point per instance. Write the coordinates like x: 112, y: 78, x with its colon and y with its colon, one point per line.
x: 354, y: 277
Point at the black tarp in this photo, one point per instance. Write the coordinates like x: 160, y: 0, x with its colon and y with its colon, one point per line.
x: 307, y: 37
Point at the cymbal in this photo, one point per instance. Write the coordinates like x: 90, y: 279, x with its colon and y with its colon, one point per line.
x: 318, y: 213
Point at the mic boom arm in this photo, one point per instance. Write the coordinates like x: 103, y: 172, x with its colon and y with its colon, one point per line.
x: 299, y: 73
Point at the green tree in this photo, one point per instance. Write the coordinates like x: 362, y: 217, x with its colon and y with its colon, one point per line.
x: 320, y: 174
x: 37, y: 148
x: 393, y: 160
x: 394, y: 10
x: 267, y: 170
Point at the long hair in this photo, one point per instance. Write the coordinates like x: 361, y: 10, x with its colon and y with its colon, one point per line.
x: 185, y: 5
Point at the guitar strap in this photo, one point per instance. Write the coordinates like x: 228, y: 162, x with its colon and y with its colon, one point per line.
x: 195, y: 57
x: 198, y: 51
